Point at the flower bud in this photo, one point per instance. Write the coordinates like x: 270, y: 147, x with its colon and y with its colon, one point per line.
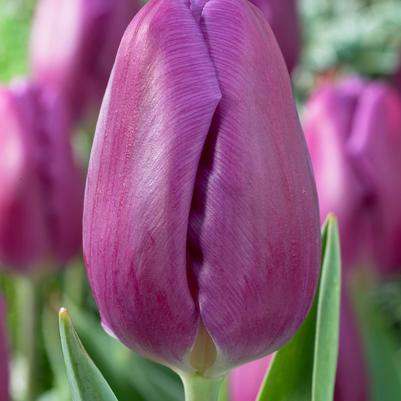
x: 282, y: 16
x: 41, y: 192
x: 200, y: 198
x: 4, y: 372
x: 74, y: 44
x: 353, y: 130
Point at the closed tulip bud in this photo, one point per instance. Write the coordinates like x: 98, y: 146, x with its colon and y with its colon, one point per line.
x: 284, y: 21
x: 41, y: 193
x: 351, y: 380
x: 353, y: 130
x: 4, y: 372
x: 74, y: 44
x: 200, y: 198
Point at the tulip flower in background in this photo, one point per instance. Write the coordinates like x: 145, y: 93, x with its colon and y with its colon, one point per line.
x: 74, y: 43
x: 246, y: 380
x: 353, y: 130
x: 4, y: 373
x: 200, y: 185
x: 284, y: 21
x: 41, y: 192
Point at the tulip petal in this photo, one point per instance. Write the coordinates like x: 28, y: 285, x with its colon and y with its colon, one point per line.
x: 254, y: 206
x: 60, y: 175
x: 74, y: 44
x: 376, y: 148
x: 154, y: 121
x: 328, y: 125
x: 23, y: 237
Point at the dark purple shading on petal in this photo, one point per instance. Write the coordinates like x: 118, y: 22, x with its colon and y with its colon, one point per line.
x: 254, y: 238
x: 154, y: 121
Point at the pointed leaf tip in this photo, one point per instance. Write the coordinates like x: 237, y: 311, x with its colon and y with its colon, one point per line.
x: 85, y: 379
x: 63, y: 314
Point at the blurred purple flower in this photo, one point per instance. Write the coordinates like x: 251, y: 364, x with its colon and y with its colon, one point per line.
x: 352, y: 383
x: 245, y: 381
x: 353, y: 130
x: 284, y: 21
x: 351, y: 380
x: 74, y: 44
x: 4, y: 371
x: 200, y: 198
x: 42, y: 189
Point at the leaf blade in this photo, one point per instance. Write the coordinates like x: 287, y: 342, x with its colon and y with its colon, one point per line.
x: 86, y: 381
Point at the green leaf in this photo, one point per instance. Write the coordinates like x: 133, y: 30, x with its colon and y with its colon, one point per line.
x: 133, y: 378
x: 86, y: 381
x: 61, y: 390
x: 305, y: 368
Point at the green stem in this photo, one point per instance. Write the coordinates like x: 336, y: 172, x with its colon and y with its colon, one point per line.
x: 198, y: 388
x: 29, y: 309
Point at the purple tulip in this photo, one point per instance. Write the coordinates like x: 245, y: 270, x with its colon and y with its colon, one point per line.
x: 74, y: 44
x: 41, y: 192
x: 353, y: 130
x: 351, y: 380
x: 4, y: 373
x: 200, y: 198
x: 284, y: 21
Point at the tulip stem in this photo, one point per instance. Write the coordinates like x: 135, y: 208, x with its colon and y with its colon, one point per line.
x: 29, y: 298
x: 199, y: 388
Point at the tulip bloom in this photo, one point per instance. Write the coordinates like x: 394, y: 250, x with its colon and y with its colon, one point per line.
x: 351, y: 380
x: 41, y: 192
x: 74, y: 44
x: 200, y: 198
x: 284, y: 21
x: 4, y: 373
x: 353, y: 130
